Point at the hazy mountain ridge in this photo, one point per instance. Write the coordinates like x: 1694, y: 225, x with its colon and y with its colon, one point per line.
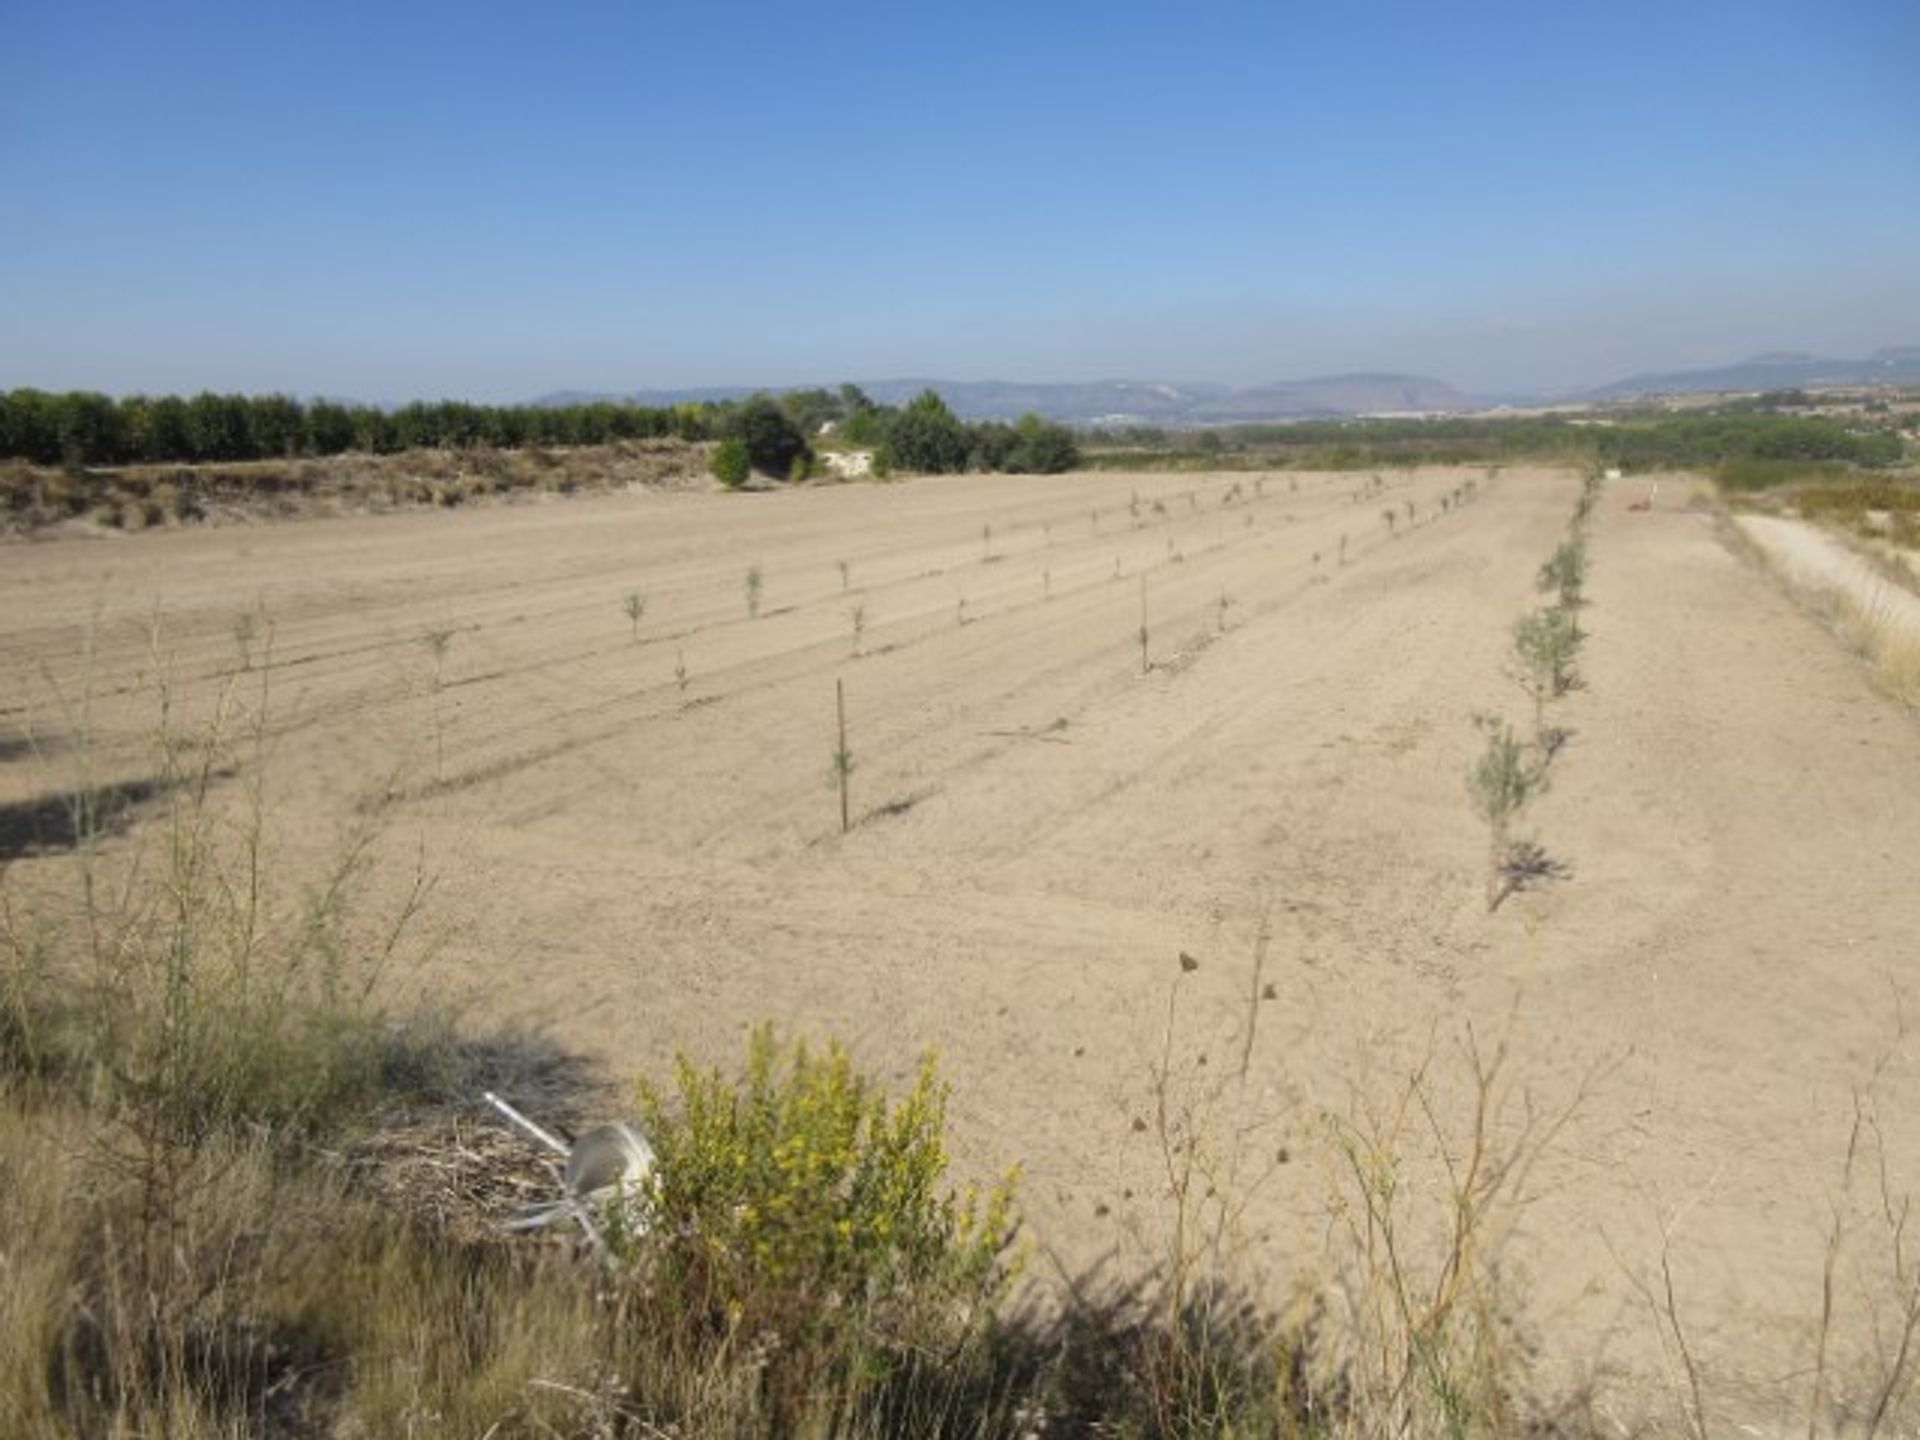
x: 1119, y: 402
x: 1777, y: 371
x: 1186, y: 403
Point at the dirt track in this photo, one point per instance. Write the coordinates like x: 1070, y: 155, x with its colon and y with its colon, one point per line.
x: 1042, y: 829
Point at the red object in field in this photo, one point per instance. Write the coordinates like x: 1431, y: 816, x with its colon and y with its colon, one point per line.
x: 1646, y: 504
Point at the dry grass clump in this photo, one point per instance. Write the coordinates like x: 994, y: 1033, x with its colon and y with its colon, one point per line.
x: 178, y: 1030
x: 1876, y: 631
x: 1858, y: 502
x: 1880, y: 637
x: 284, y: 1301
x: 178, y: 987
x: 1405, y: 1329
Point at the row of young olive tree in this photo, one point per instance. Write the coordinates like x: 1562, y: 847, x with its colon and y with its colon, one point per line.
x: 1512, y: 767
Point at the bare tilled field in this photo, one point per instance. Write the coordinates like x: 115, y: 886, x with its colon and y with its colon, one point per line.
x: 1076, y: 878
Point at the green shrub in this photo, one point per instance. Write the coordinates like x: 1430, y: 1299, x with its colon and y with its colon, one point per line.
x: 1042, y: 448
x: 1500, y: 783
x: 1565, y: 573
x: 773, y: 442
x: 1544, y: 645
x: 926, y: 437
x: 798, y: 1198
x: 730, y: 464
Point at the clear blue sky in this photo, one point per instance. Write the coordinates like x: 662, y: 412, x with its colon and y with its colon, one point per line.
x: 492, y: 201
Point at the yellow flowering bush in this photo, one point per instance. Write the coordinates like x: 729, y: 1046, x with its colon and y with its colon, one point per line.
x: 796, y: 1198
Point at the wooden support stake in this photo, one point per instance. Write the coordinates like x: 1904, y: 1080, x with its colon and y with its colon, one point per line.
x: 840, y: 759
x: 1145, y: 664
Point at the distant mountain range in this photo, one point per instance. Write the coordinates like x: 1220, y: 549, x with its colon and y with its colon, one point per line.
x: 1123, y: 402
x: 1175, y: 404
x: 1780, y: 371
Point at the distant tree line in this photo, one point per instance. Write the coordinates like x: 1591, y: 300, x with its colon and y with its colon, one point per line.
x: 926, y: 436
x: 81, y: 427
x: 1635, y: 439
x: 1711, y: 439
x: 775, y: 435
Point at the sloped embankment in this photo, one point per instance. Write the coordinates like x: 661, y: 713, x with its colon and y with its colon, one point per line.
x: 1877, y: 616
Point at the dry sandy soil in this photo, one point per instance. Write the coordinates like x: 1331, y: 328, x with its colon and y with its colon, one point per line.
x: 1041, y: 831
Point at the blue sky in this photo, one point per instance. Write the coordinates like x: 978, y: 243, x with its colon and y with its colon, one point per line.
x: 494, y: 201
